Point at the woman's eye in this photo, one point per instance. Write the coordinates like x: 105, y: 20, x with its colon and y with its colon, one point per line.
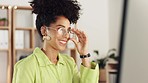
x: 61, y: 27
x: 60, y: 31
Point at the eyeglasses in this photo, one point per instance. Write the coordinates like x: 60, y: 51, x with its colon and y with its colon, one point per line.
x: 62, y: 30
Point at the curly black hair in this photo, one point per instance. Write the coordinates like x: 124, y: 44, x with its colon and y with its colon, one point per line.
x: 48, y: 10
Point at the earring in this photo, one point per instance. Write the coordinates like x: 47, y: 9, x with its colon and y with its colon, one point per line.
x: 47, y: 37
x: 44, y: 37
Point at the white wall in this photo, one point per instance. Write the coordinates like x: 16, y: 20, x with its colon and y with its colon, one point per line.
x: 135, y: 52
x: 94, y: 21
x: 115, y: 17
x: 15, y: 2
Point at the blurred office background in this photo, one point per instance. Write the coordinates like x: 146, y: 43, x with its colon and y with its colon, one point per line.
x: 100, y: 19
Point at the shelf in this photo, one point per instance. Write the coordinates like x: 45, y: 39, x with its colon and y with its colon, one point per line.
x: 27, y: 28
x: 112, y: 71
x: 112, y: 62
x: 6, y: 13
x: 4, y: 27
x: 22, y: 8
x: 25, y: 49
x: 5, y: 7
x: 4, y: 50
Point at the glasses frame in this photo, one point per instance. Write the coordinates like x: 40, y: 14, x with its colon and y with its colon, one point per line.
x: 61, y: 30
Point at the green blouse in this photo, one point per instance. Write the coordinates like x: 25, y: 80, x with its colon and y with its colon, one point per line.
x: 37, y: 68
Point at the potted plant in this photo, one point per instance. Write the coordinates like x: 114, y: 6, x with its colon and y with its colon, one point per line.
x: 3, y: 21
x: 103, y: 61
x: 110, y: 55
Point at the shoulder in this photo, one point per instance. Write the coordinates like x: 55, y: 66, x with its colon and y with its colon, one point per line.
x: 27, y: 63
x: 25, y: 70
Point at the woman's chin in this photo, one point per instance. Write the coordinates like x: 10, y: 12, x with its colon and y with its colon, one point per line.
x: 62, y: 48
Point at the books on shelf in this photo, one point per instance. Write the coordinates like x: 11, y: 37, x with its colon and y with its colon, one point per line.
x: 19, y: 39
x: 112, y: 78
x: 3, y: 39
x: 34, y: 20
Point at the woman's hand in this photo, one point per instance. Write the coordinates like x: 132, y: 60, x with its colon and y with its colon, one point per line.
x: 80, y: 42
x: 81, y: 45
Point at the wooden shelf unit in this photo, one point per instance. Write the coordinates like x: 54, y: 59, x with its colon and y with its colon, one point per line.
x: 4, y: 28
x: 111, y: 68
x: 8, y: 50
x: 30, y: 29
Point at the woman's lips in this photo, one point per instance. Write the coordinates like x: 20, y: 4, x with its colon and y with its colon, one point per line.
x: 63, y: 42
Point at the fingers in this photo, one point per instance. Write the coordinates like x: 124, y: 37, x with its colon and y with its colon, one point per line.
x: 81, y: 41
x: 80, y: 34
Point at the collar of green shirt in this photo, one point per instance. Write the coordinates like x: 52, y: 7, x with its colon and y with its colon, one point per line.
x: 43, y: 59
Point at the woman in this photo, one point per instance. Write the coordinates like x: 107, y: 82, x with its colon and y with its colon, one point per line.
x: 47, y: 65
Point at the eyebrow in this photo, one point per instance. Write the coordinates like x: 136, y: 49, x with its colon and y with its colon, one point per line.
x: 62, y: 26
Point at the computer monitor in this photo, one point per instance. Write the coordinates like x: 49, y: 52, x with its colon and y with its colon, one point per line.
x: 133, y: 50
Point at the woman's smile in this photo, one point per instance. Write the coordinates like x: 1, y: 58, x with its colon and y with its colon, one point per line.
x: 63, y: 42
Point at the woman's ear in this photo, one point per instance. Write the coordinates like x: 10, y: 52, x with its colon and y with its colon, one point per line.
x: 43, y: 31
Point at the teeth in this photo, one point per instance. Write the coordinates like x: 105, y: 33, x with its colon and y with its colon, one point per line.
x: 63, y: 42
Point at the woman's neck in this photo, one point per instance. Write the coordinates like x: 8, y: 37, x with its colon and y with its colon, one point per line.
x: 51, y: 53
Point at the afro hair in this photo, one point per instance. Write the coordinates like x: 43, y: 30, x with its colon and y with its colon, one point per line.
x: 48, y: 10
